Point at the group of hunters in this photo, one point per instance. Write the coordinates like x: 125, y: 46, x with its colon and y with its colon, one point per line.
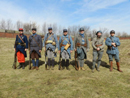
x: 65, y: 47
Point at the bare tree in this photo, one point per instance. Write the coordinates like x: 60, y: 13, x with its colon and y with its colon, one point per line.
x: 54, y: 28
x: 60, y: 30
x: 19, y: 24
x: 86, y: 29
x: 2, y: 24
x: 74, y: 30
x: 94, y: 31
x: 26, y: 27
x: 49, y: 25
x: 69, y: 30
x: 33, y: 25
x: 124, y: 34
x: 105, y: 32
x: 118, y: 34
x: 9, y: 24
x: 44, y: 28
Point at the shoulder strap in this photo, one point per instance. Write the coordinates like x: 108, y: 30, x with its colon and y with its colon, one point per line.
x: 62, y: 41
x: 111, y: 39
x: 48, y: 37
x: 69, y: 38
x: 35, y: 41
x: 21, y: 39
x: 53, y: 38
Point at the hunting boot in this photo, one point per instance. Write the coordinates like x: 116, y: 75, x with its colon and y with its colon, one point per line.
x: 99, y: 62
x: 118, y: 67
x: 49, y: 67
x: 37, y: 68
x: 67, y: 64
x: 53, y: 61
x: 63, y: 64
x: 20, y: 65
x: 82, y: 68
x: 23, y: 65
x: 79, y: 68
x: 98, y: 69
x: 93, y: 67
x: 111, y: 65
x: 92, y: 70
x: 82, y: 64
x: 33, y: 67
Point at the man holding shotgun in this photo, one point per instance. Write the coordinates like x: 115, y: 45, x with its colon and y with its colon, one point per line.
x: 81, y: 45
x: 35, y: 43
x: 65, y: 48
x: 113, y: 43
x: 21, y: 46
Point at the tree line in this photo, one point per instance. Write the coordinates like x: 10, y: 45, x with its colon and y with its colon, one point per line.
x: 58, y: 29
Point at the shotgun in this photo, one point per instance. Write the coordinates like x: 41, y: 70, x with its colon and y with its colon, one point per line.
x: 45, y: 59
x: 76, y: 66
x: 29, y: 58
x: 76, y: 55
x: 15, y: 59
x: 59, y: 62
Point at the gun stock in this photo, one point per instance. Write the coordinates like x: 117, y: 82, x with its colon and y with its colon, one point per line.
x: 45, y: 60
x: 15, y: 59
x: 76, y: 66
x: 29, y: 59
x: 59, y: 62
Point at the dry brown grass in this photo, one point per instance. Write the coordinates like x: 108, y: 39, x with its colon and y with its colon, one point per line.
x: 64, y: 84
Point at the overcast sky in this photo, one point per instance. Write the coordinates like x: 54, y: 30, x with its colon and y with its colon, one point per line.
x: 111, y: 14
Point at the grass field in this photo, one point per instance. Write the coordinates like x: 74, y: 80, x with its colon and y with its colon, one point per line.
x: 64, y: 84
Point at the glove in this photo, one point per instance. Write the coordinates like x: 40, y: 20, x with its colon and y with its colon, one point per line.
x: 56, y: 49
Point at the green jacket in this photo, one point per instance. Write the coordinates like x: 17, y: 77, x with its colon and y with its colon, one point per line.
x: 98, y: 41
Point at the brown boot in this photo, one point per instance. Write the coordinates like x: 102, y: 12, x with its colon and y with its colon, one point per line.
x: 111, y: 64
x: 79, y: 68
x: 33, y: 67
x: 37, y: 68
x: 118, y: 67
x: 82, y: 68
